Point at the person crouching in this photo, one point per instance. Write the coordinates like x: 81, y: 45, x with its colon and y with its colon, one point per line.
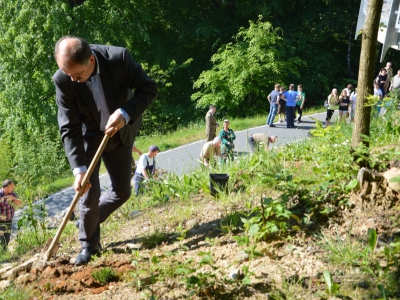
x: 257, y: 139
x: 210, y: 150
x: 146, y: 167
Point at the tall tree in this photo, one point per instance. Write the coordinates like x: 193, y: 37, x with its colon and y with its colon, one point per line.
x: 244, y: 70
x: 366, y: 74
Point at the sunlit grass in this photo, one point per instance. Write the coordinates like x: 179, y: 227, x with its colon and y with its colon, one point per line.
x: 182, y: 136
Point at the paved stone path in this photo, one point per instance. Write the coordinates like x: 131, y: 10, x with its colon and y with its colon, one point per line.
x: 183, y: 159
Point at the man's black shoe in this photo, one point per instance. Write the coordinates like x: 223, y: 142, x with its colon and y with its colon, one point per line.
x: 85, y: 255
x: 272, y: 125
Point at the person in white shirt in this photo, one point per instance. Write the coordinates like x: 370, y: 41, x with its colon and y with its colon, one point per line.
x: 389, y: 72
x: 395, y: 81
x: 348, y: 89
x: 145, y: 168
x: 136, y: 150
x: 353, y: 100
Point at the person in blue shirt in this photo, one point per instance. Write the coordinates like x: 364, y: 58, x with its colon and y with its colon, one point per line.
x: 273, y: 99
x: 290, y: 97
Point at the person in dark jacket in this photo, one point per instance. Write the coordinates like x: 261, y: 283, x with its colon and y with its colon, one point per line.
x: 100, y: 90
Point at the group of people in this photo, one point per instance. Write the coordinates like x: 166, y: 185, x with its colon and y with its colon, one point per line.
x: 346, y: 101
x: 285, y: 104
x: 217, y: 146
x: 222, y: 146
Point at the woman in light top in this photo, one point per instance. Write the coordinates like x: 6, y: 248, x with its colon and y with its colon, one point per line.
x: 333, y: 101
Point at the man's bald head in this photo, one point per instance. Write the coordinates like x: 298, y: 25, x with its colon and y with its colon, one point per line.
x: 75, y: 58
x: 72, y: 50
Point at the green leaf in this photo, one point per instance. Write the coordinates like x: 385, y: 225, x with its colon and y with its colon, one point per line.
x: 254, y: 229
x: 395, y: 179
x: 352, y: 184
x: 328, y: 281
x: 246, y: 280
x: 372, y: 239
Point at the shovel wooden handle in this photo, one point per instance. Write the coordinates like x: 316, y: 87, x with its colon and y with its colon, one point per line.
x: 52, y: 248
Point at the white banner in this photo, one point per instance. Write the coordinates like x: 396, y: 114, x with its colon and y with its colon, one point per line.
x: 389, y: 28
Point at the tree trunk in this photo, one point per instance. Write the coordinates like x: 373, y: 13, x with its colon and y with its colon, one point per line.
x: 366, y: 75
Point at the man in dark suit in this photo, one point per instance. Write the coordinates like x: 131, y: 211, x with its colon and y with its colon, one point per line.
x: 211, y: 124
x: 94, y: 96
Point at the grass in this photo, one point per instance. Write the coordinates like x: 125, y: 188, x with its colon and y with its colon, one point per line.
x: 105, y: 275
x: 182, y: 136
x: 196, y: 131
x: 304, y: 176
x: 153, y: 239
x: 15, y: 293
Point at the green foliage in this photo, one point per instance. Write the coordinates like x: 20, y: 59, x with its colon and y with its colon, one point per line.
x: 244, y: 70
x: 28, y: 239
x: 174, y: 42
x: 271, y: 217
x: 15, y: 293
x: 6, y: 159
x: 105, y: 275
x: 182, y: 235
x: 331, y: 287
x: 231, y: 222
x: 154, y: 239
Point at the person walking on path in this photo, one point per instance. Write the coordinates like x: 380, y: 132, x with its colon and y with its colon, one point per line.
x: 282, y: 105
x: 300, y: 100
x: 258, y: 139
x: 333, y: 101
x: 94, y: 96
x: 227, y: 137
x: 8, y: 201
x: 290, y: 97
x: 146, y: 167
x: 273, y: 99
x: 211, y: 124
x: 136, y: 150
x: 209, y: 151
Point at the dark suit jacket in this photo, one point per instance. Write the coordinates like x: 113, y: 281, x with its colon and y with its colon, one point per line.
x: 211, y: 123
x: 78, y: 117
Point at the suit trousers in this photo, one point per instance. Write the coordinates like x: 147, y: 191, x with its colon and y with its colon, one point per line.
x: 95, y: 208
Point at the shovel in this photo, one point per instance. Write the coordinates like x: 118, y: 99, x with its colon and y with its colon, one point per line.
x: 52, y: 248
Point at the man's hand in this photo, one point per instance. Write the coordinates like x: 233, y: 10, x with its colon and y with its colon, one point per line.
x: 78, y: 183
x: 115, y: 123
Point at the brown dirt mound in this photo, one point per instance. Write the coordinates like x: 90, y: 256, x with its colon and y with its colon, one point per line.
x: 62, y: 277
